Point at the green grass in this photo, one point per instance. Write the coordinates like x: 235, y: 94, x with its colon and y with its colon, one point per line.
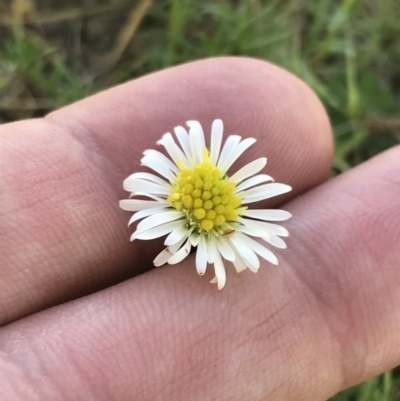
x: 381, y: 388
x: 42, y: 66
x: 348, y: 51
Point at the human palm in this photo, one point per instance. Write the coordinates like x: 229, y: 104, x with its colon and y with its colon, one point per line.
x: 326, y: 318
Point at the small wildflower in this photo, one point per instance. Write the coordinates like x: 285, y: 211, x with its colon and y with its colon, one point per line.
x: 195, y: 203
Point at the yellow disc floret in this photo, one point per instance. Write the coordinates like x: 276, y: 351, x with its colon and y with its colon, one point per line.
x: 207, y: 197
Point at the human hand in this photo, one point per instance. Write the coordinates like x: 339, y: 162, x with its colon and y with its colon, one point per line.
x: 326, y: 318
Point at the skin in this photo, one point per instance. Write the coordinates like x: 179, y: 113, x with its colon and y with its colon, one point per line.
x: 85, y: 317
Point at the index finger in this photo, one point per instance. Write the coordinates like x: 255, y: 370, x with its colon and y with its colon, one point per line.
x: 63, y: 234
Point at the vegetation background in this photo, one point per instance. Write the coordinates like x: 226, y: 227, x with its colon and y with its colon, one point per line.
x: 53, y: 52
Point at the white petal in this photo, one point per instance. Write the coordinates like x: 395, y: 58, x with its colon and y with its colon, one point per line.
x: 253, y: 231
x: 217, y: 130
x: 194, y: 239
x: 173, y: 149
x: 214, y: 281
x: 225, y: 249
x: 267, y: 214
x: 158, y: 166
x: 196, y: 126
x: 162, y: 257
x: 148, y: 177
x: 265, y: 192
x: 133, y: 205
x: 211, y: 250
x: 229, y: 147
x: 237, y: 152
x: 196, y: 139
x: 248, y: 170
x: 258, y: 248
x: 159, y: 219
x: 164, y: 159
x: 201, y: 256
x: 183, y: 138
x: 251, y: 182
x: 173, y: 248
x: 160, y: 200
x: 176, y: 235
x: 136, y: 185
x: 277, y: 229
x: 220, y: 273
x: 270, y: 228
x: 144, y: 213
x: 157, y: 231
x: 181, y: 254
x: 275, y: 241
x: 248, y: 255
x: 239, y: 263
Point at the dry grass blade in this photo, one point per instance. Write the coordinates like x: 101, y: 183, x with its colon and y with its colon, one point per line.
x: 22, y: 9
x: 128, y: 31
x: 380, y: 124
x: 26, y: 104
x: 385, y: 122
x: 63, y: 15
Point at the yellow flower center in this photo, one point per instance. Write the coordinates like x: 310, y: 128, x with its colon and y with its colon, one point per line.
x: 207, y: 197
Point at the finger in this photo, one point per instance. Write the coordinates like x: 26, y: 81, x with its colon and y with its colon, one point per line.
x: 352, y: 265
x: 325, y: 319
x: 62, y: 233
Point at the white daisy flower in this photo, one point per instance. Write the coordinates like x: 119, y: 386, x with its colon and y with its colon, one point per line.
x: 195, y: 203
